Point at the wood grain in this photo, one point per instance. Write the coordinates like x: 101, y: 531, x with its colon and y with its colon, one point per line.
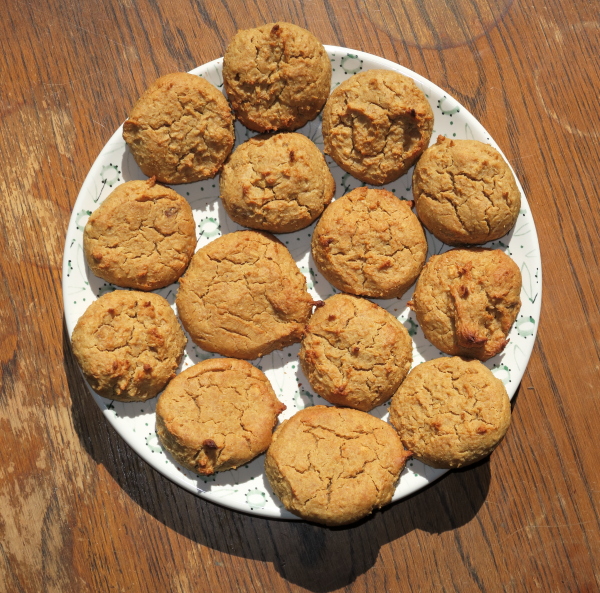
x: 79, y: 511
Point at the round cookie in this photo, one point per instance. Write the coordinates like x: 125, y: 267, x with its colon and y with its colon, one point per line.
x: 370, y: 243
x: 465, y: 192
x: 142, y: 236
x: 276, y: 183
x: 466, y: 301
x: 128, y: 345
x: 450, y: 412
x: 334, y: 465
x: 180, y: 130
x: 277, y: 76
x: 217, y: 415
x: 243, y: 296
x: 376, y: 124
x: 355, y: 353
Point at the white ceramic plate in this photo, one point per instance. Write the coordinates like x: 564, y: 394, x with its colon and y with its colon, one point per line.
x: 246, y: 489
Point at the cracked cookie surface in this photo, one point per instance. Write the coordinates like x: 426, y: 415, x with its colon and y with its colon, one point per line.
x: 466, y: 301
x: 277, y: 76
x: 217, y: 415
x: 450, y: 412
x: 376, y: 124
x: 142, y: 236
x: 276, y: 183
x: 465, y: 192
x: 355, y: 353
x: 334, y: 465
x: 244, y: 296
x: 128, y: 345
x: 370, y: 243
x: 180, y: 130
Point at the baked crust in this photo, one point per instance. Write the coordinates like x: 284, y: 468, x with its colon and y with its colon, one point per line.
x: 277, y: 76
x: 334, y: 465
x: 217, y: 415
x: 128, y: 345
x: 465, y: 192
x: 355, y: 353
x: 370, y: 243
x: 243, y: 296
x: 276, y: 183
x: 142, y: 236
x: 466, y: 301
x: 376, y: 124
x: 451, y: 412
x: 180, y: 130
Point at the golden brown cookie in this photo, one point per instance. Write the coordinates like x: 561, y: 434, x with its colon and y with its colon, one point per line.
x: 142, y: 236
x: 128, y: 345
x: 334, y: 465
x: 244, y: 296
x: 277, y: 76
x: 217, y: 415
x: 376, y: 124
x: 465, y: 192
x: 355, y: 353
x: 180, y: 130
x: 276, y: 183
x: 466, y: 301
x: 451, y: 412
x: 370, y: 243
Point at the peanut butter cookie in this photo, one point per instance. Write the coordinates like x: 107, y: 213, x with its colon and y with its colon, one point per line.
x: 465, y: 192
x: 376, y: 124
x: 334, y: 465
x: 370, y: 243
x: 355, y: 353
x: 243, y: 296
x: 180, y: 130
x: 277, y: 76
x: 128, y: 345
x: 217, y: 415
x: 451, y: 412
x: 466, y: 301
x: 142, y: 236
x: 276, y: 183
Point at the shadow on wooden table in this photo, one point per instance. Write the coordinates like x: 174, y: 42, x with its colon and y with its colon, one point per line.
x: 314, y: 557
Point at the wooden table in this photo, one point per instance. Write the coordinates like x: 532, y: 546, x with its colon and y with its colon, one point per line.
x: 79, y: 511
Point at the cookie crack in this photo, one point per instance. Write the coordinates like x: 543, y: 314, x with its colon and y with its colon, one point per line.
x: 294, y: 197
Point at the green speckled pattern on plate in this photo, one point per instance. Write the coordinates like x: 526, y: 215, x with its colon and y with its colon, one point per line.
x: 246, y: 489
